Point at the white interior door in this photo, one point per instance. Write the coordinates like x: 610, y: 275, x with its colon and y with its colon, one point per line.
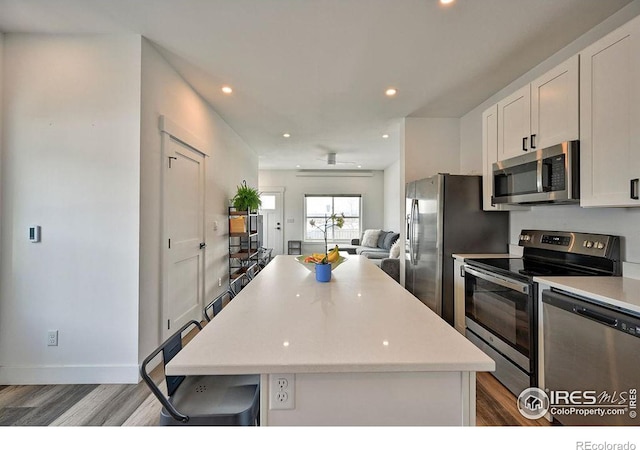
x: 184, y: 222
x: 272, y: 221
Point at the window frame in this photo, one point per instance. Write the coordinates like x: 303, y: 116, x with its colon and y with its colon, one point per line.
x: 306, y: 218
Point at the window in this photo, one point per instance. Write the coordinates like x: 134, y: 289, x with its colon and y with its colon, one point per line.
x: 268, y: 202
x: 321, y: 206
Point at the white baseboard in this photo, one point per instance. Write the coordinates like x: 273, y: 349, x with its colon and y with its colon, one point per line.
x: 69, y: 375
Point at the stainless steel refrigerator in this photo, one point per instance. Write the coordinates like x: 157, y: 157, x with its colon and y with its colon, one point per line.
x: 445, y: 216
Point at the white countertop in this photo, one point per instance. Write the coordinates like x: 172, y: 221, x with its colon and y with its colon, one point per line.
x: 621, y: 292
x: 284, y: 321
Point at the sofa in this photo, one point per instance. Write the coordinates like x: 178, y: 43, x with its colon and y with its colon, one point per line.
x: 380, y: 254
x: 365, y: 245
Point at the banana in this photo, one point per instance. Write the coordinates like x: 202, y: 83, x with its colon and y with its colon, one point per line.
x: 333, y: 254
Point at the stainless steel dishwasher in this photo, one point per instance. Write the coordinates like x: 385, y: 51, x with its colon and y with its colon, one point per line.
x: 591, y: 361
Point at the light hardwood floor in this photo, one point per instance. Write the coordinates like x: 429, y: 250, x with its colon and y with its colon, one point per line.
x: 134, y: 405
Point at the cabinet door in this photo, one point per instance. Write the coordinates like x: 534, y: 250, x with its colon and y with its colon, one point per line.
x: 610, y: 119
x: 514, y: 124
x: 489, y: 154
x: 554, y: 106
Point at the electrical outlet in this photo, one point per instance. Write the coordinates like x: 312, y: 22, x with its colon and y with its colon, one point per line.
x: 219, y: 282
x: 52, y: 338
x: 282, y: 383
x: 282, y: 391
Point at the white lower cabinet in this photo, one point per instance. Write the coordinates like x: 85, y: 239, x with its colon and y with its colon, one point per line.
x: 610, y: 119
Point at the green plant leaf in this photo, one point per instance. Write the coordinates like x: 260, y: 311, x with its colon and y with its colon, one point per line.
x: 246, y: 198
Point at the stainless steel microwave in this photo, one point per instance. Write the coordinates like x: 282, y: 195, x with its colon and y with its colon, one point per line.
x: 549, y: 175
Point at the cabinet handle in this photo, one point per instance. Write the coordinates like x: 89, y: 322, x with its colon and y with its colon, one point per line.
x: 533, y: 145
x: 634, y: 189
x: 524, y: 144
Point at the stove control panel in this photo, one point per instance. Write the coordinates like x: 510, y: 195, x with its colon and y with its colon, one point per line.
x: 556, y: 240
x: 601, y: 245
x: 593, y: 244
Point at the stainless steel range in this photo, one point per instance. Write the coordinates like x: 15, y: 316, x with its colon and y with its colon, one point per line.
x: 501, y: 298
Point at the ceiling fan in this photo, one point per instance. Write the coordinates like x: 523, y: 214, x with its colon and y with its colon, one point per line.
x: 331, y: 160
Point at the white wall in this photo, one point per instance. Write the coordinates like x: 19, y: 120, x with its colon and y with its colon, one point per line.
x: 431, y: 146
x: 624, y: 222
x: 165, y: 92
x: 371, y: 189
x: 393, y: 197
x: 71, y: 165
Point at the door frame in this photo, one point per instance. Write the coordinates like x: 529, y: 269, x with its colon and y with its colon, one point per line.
x: 277, y: 190
x: 170, y: 130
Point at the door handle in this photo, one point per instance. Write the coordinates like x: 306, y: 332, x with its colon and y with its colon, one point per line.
x: 202, y: 245
x: 510, y: 284
x: 634, y: 189
x: 524, y: 144
x: 533, y: 144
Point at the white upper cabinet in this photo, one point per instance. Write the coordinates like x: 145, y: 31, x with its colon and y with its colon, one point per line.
x: 610, y: 119
x: 540, y: 114
x: 514, y: 114
x: 554, y: 106
x: 489, y: 156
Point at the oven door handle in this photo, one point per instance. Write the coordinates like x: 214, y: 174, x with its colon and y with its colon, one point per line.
x: 511, y: 284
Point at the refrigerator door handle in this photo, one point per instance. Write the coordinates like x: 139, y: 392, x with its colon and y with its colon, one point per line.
x: 410, y: 230
x: 414, y: 216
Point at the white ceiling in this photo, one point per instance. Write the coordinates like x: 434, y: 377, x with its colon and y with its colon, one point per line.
x: 318, y: 68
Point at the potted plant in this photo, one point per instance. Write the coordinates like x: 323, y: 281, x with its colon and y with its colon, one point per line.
x: 246, y: 198
x: 323, y: 267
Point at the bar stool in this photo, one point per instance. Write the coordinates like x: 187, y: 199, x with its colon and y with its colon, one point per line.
x: 203, y: 400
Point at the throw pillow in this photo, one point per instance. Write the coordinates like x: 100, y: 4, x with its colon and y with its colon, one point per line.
x: 383, y: 234
x: 390, y: 239
x: 370, y: 238
x: 395, y: 250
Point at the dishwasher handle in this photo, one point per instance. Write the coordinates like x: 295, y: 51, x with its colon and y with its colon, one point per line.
x: 594, y: 315
x: 606, y: 315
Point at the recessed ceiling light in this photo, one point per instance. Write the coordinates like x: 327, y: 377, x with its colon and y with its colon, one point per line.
x: 359, y: 167
x: 227, y: 89
x: 391, y: 92
x: 286, y: 135
x: 297, y: 166
x: 385, y: 136
x: 446, y: 2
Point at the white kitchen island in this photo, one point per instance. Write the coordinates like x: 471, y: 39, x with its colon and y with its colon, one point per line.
x: 358, y: 350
